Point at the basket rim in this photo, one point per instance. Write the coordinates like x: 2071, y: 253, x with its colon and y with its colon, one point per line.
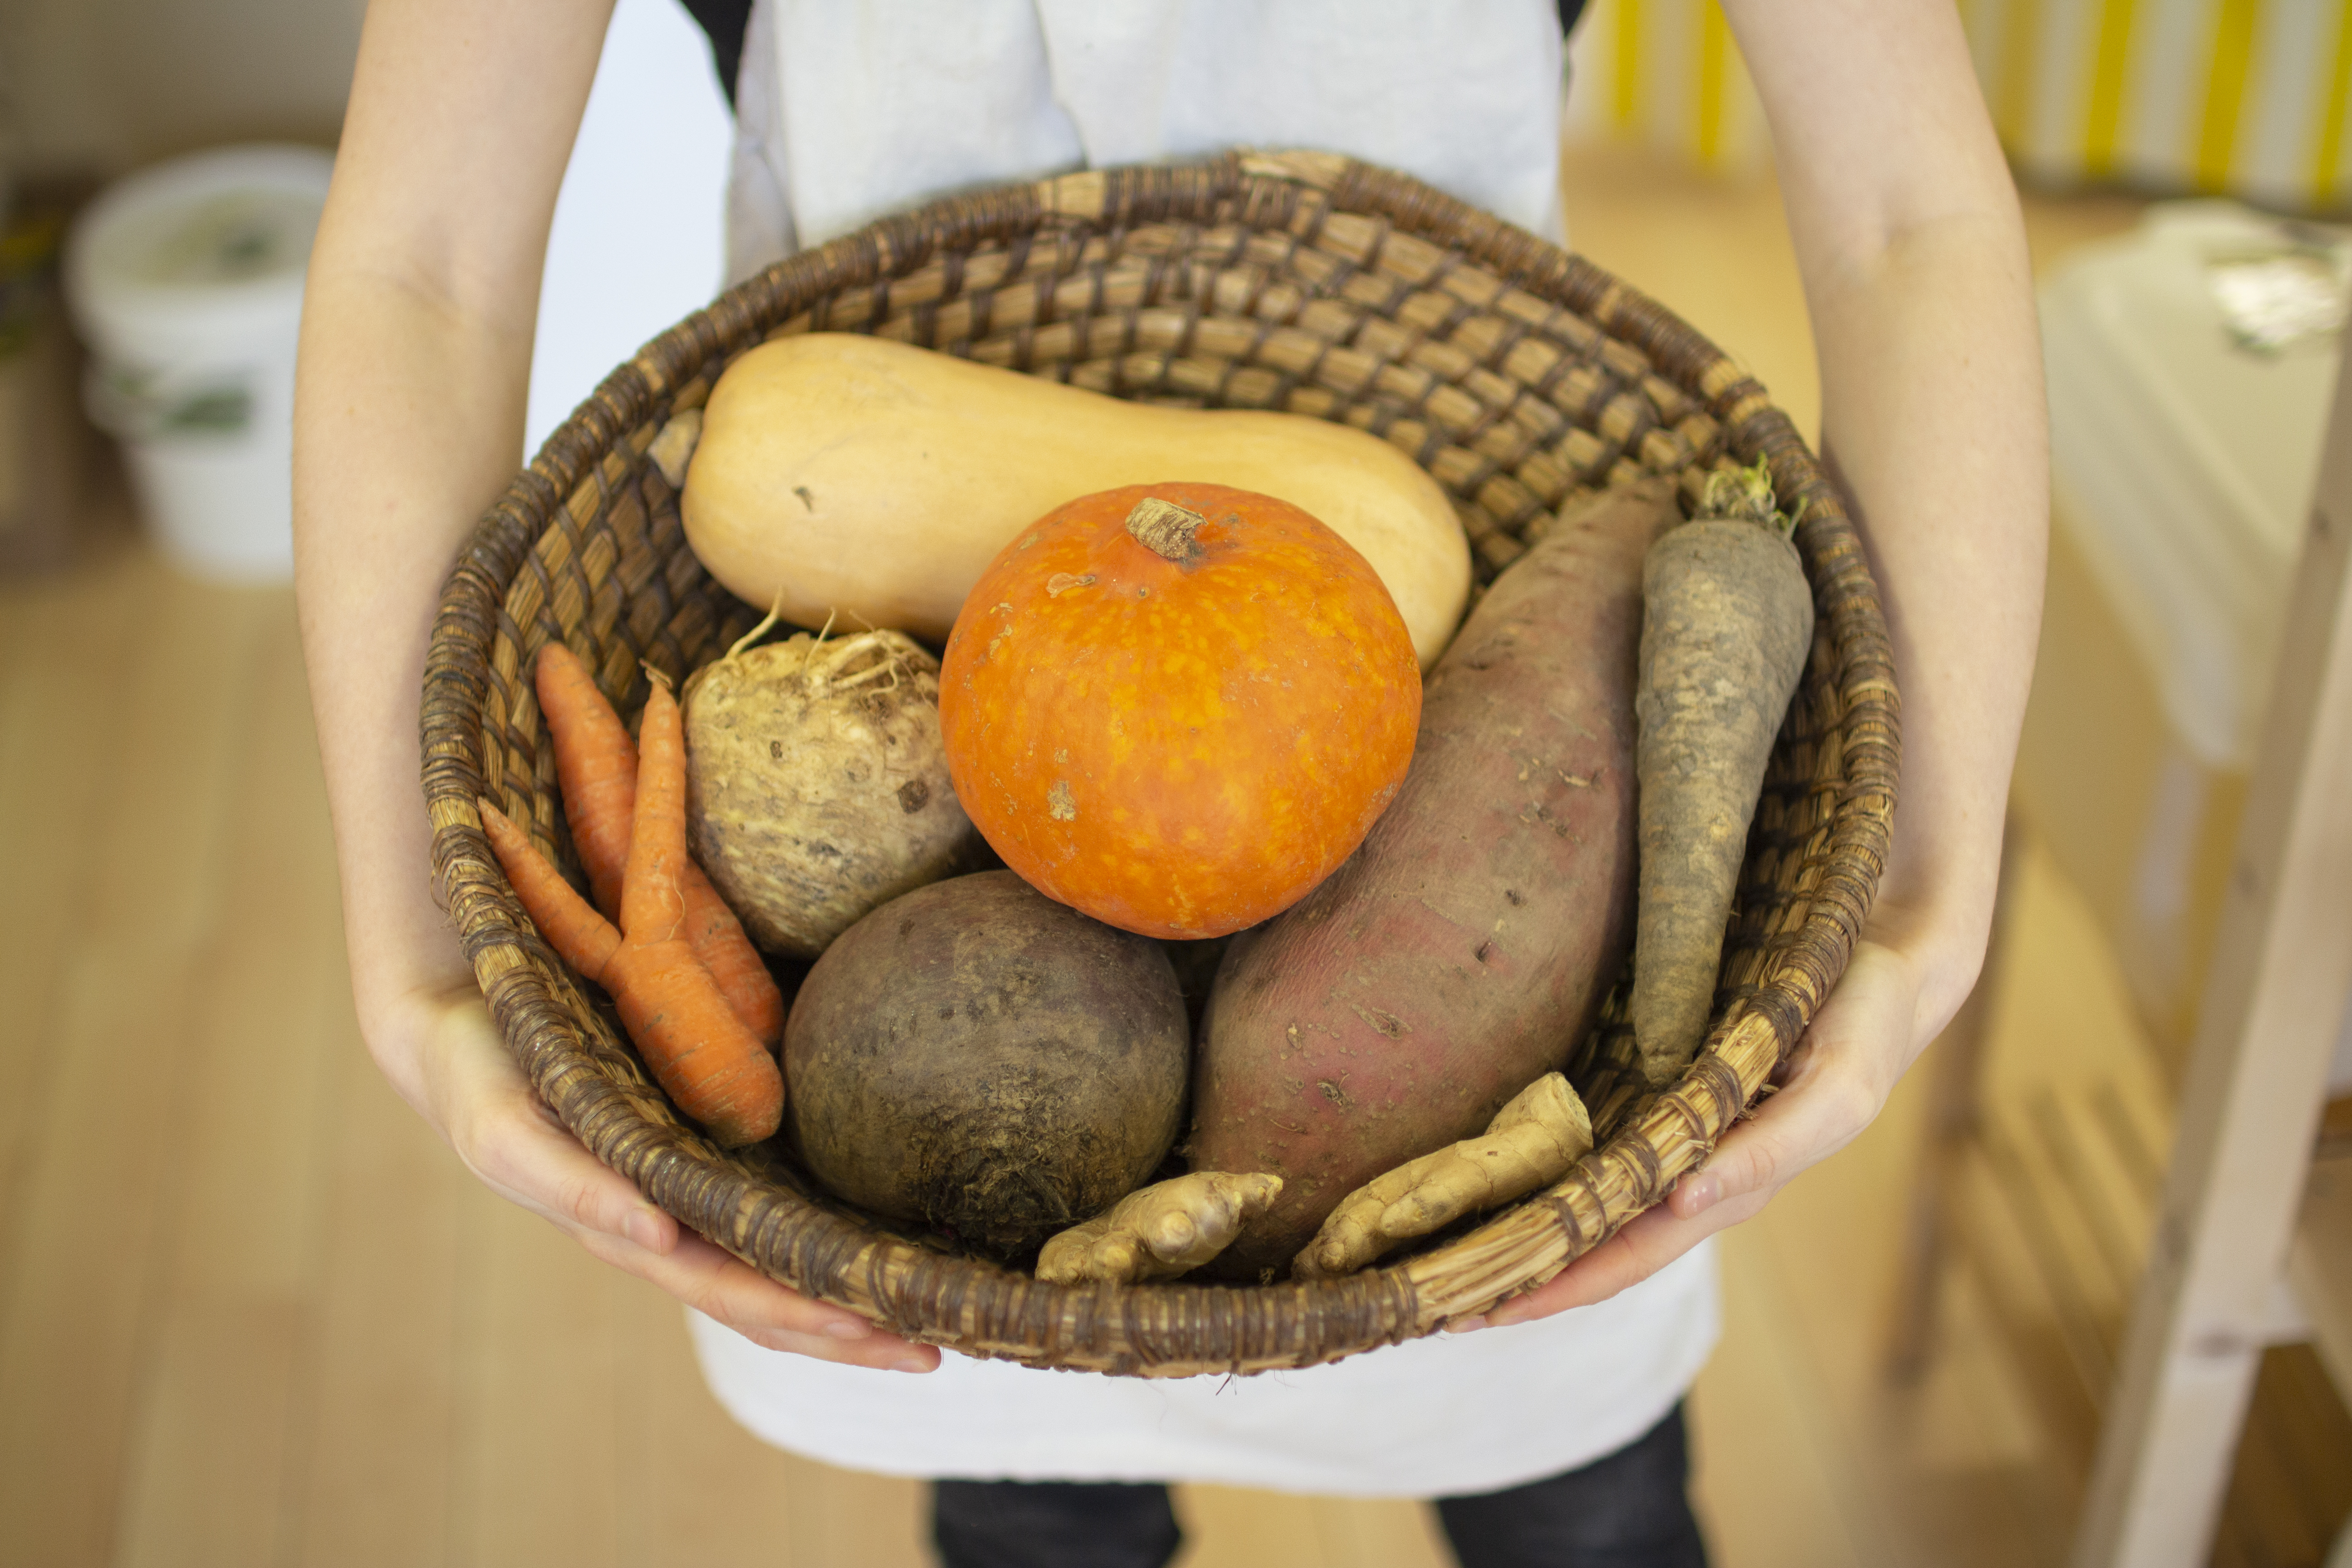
x: 1176, y: 1327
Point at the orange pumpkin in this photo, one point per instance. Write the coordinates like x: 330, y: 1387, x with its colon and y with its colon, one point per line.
x: 1178, y: 707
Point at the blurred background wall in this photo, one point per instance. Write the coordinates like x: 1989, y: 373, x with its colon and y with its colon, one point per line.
x: 100, y: 86
x: 91, y: 89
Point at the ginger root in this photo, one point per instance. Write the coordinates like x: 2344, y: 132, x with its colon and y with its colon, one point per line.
x: 1159, y: 1231
x: 1530, y: 1144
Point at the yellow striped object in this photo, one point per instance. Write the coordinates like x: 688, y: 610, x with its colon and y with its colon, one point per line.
x: 1666, y: 73
x: 2241, y: 97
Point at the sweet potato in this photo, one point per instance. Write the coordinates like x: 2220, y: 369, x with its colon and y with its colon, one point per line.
x: 1463, y: 949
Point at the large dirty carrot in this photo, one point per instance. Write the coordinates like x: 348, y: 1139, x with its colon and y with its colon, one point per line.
x: 710, y: 1064
x: 1727, y: 623
x: 596, y: 764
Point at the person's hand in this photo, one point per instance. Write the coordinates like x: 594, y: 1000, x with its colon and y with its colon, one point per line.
x: 444, y: 1055
x: 1833, y: 1085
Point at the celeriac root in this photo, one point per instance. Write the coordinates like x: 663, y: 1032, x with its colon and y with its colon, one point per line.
x: 1531, y: 1143
x: 818, y: 789
x: 1159, y: 1231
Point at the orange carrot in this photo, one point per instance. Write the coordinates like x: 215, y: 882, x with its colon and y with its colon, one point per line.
x: 710, y: 1064
x: 596, y: 763
x: 653, y: 906
x: 580, y: 937
x: 721, y: 1077
x: 743, y: 977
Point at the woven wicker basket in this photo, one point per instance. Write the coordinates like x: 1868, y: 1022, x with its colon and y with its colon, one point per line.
x: 1519, y: 375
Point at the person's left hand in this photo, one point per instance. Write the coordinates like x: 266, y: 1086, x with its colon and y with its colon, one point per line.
x: 1834, y: 1084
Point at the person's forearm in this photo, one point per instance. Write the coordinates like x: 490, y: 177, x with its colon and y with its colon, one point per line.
x: 1913, y: 254
x: 1932, y: 417
x: 411, y: 420
x: 415, y: 354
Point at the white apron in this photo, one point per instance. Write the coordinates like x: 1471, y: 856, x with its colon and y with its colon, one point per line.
x: 847, y: 111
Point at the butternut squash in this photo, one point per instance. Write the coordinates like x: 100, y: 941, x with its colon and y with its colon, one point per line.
x: 857, y: 476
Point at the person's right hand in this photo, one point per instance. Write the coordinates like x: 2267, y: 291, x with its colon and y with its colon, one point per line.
x: 444, y: 1055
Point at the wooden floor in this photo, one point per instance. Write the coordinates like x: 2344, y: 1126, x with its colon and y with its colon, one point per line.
x: 253, y: 1312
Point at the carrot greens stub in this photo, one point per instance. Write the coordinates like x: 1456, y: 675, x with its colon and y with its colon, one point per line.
x: 1727, y: 623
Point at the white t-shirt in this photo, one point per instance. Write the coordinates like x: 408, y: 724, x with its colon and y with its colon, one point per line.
x: 846, y: 111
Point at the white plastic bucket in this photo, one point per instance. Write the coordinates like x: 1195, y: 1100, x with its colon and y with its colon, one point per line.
x: 186, y: 282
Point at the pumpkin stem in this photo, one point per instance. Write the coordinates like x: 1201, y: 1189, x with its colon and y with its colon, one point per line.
x: 1165, y: 528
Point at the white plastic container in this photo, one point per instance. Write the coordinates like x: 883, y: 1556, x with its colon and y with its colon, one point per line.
x: 185, y: 280
x: 2182, y: 468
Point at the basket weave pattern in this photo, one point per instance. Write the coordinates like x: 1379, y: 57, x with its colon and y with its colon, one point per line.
x: 1520, y: 376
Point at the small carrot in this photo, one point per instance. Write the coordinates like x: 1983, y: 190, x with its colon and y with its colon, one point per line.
x: 710, y: 1064
x: 1727, y: 623
x: 580, y: 937
x: 596, y: 764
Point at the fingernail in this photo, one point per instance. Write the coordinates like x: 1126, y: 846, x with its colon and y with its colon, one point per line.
x: 1703, y: 1192
x: 643, y: 1230
x: 848, y: 1329
x: 911, y: 1363
x: 1465, y: 1325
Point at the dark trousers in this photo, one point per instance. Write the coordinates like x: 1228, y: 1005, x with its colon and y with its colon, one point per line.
x: 1627, y: 1510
